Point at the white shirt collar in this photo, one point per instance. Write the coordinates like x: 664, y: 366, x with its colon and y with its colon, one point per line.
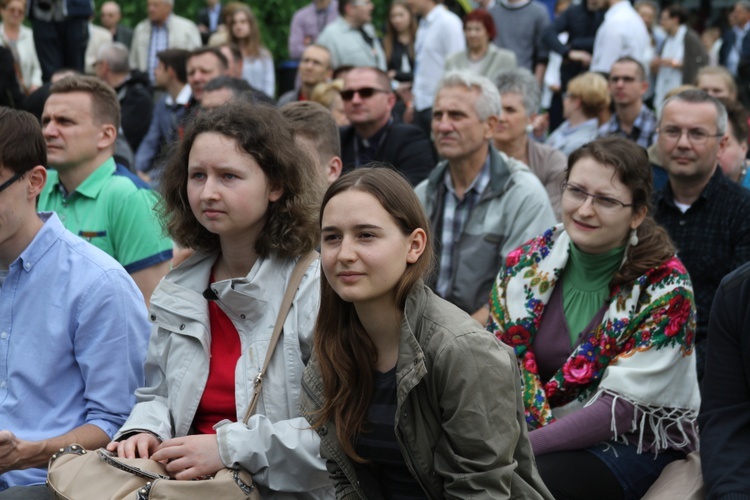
x: 182, y: 98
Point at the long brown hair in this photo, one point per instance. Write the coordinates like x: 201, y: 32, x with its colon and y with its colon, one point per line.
x: 633, y: 169
x: 345, y: 353
x: 252, y: 45
x: 390, y: 32
x: 260, y: 131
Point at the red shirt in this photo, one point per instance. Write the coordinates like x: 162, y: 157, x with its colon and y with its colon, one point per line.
x: 218, y: 402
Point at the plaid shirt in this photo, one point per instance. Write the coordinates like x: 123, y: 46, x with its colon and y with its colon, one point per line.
x: 159, y: 41
x: 455, y: 214
x: 644, y: 128
x: 712, y: 239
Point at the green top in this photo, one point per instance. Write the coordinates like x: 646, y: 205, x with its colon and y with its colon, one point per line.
x: 586, y: 286
x: 113, y: 210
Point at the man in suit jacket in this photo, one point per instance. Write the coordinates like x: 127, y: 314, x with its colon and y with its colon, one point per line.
x: 735, y: 50
x: 373, y: 136
x: 110, y: 16
x: 171, y: 76
x: 209, y: 18
x: 162, y: 30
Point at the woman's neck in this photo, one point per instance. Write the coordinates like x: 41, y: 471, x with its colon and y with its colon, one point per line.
x: 587, y: 271
x: 516, y: 148
x: 404, y: 37
x: 577, y: 118
x: 383, y: 326
x: 236, y: 260
x: 478, y: 53
x: 11, y: 31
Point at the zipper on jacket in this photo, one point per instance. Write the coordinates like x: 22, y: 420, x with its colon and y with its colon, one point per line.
x: 353, y: 481
x: 411, y: 463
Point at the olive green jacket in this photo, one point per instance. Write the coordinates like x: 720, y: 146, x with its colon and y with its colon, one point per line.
x: 459, y: 420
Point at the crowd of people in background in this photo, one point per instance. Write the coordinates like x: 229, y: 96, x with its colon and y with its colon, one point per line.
x: 532, y: 220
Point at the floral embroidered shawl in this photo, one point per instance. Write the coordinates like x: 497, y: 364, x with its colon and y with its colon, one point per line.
x: 642, y: 350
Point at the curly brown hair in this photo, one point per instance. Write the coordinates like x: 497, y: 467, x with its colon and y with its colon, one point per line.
x: 290, y: 227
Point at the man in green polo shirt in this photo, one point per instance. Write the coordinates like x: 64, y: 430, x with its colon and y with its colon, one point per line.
x: 95, y: 198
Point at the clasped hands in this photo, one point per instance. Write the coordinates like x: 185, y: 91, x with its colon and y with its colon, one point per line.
x: 188, y: 457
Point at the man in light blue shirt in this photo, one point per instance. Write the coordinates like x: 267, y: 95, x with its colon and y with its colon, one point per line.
x: 73, y: 325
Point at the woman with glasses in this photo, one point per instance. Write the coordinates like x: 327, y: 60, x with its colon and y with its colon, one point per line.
x: 600, y: 313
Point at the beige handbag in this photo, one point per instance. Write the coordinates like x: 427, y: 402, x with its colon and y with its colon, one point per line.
x: 77, y: 474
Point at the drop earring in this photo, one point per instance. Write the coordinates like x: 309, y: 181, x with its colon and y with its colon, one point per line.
x: 633, y: 238
x: 529, y: 129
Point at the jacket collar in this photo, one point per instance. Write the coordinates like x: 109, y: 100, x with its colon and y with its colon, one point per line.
x: 499, y: 174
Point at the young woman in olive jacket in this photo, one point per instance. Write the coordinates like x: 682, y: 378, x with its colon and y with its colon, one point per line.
x: 410, y: 396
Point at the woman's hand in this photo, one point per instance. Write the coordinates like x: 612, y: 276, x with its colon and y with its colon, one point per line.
x: 141, y: 445
x: 190, y: 457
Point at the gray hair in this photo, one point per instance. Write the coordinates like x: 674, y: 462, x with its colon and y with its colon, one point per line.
x: 488, y: 102
x: 116, y: 56
x: 520, y: 81
x: 697, y: 96
x: 745, y: 4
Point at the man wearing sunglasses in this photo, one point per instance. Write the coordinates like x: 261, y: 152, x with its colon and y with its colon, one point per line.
x: 373, y: 135
x: 705, y: 213
x: 632, y: 118
x: 73, y: 325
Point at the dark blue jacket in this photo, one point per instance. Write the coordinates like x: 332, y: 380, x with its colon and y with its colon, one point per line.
x: 163, y: 130
x: 581, y: 24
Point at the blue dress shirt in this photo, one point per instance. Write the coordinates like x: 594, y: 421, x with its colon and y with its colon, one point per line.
x: 73, y: 339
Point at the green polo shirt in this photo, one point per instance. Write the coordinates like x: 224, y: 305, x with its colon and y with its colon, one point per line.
x: 113, y: 210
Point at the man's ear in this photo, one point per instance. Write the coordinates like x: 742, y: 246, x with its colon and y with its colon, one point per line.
x: 490, y: 126
x: 333, y: 170
x: 37, y: 178
x: 391, y: 100
x: 108, y: 136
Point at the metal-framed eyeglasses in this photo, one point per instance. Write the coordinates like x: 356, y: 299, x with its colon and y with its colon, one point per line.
x: 576, y: 195
x: 696, y: 136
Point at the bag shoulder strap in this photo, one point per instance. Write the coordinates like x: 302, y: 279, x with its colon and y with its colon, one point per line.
x: 286, y: 303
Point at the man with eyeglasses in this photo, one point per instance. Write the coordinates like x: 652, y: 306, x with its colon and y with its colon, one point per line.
x: 351, y: 38
x: 73, y: 325
x: 481, y: 203
x: 373, y: 135
x: 314, y: 68
x: 705, y: 213
x: 632, y: 119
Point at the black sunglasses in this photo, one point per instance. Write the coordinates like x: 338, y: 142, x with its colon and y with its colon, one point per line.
x: 364, y: 93
x: 5, y: 185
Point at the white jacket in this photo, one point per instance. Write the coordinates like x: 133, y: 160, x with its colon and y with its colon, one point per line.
x: 182, y: 34
x: 276, y: 445
x: 31, y: 71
